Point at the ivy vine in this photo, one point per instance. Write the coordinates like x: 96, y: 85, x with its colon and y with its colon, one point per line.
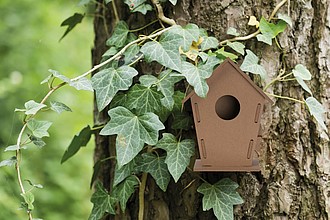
x: 140, y: 104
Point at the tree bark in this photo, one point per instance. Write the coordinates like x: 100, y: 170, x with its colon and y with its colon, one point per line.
x: 295, y: 158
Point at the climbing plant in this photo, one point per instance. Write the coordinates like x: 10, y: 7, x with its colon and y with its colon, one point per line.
x: 140, y: 104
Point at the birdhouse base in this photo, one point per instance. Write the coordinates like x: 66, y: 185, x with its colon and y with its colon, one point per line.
x: 207, y: 168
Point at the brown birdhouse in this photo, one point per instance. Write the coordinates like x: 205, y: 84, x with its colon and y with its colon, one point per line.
x: 227, y: 121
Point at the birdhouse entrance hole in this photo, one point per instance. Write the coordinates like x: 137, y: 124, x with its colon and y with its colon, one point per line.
x: 227, y: 107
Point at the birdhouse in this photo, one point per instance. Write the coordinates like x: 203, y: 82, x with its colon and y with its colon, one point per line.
x: 227, y: 121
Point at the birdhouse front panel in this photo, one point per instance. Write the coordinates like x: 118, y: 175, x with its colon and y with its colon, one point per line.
x: 227, y: 121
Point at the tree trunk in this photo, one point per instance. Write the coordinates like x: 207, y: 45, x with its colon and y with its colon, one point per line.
x: 295, y: 157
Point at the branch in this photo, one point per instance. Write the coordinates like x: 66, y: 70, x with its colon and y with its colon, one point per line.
x: 161, y: 15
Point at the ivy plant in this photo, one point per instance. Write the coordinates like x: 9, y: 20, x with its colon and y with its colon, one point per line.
x: 140, y: 103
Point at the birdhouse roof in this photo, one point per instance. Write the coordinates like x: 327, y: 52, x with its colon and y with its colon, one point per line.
x: 244, y: 75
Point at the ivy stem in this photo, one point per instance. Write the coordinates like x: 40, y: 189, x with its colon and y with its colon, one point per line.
x: 141, y: 195
x: 115, y: 10
x: 285, y: 97
x: 161, y: 15
x: 119, y: 53
x: 141, y: 28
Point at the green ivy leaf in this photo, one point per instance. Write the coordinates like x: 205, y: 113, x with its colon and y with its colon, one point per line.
x: 165, y: 52
x: 39, y: 128
x: 33, y: 107
x: 222, y: 54
x: 124, y: 191
x: 131, y: 54
x: 132, y: 132
x: 285, y: 18
x: 14, y: 148
x: 221, y: 197
x: 103, y: 203
x: 264, y: 38
x: 120, y: 99
x: 110, y: 52
x: 109, y: 81
x: 178, y: 154
x: 77, y: 142
x: 189, y: 33
x: 178, y: 97
x: 28, y: 199
x: 250, y: 64
x: 232, y: 31
x: 9, y: 162
x: 123, y: 172
x: 317, y: 110
x: 197, y: 75
x: 138, y: 6
x: 59, y: 107
x: 209, y: 43
x: 143, y: 9
x: 119, y: 36
x: 157, y: 168
x: 302, y: 72
x: 237, y: 46
x: 71, y: 22
x: 270, y: 30
x: 303, y: 85
x: 84, y: 2
x: 79, y: 84
x: 181, y: 120
x: 37, y: 141
x: 144, y: 99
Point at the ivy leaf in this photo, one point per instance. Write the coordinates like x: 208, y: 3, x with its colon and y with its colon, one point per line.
x: 124, y: 191
x: 131, y: 54
x: 285, y: 18
x: 232, y: 31
x: 37, y: 141
x: 132, y: 132
x: 103, y: 203
x: 138, y: 6
x: 189, y: 33
x: 303, y: 85
x: 317, y: 110
x: 120, y: 99
x: 33, y: 107
x: 14, y: 148
x: 39, y: 128
x: 197, y: 75
x: 144, y: 99
x: 119, y: 36
x: 84, y: 2
x: 302, y: 72
x: 264, y: 38
x: 157, y: 168
x: 221, y: 197
x: 110, y: 52
x: 77, y: 142
x: 165, y: 52
x: 71, y: 22
x: 59, y: 107
x: 181, y: 120
x: 237, y: 46
x: 209, y: 43
x: 143, y: 9
x: 79, y: 84
x: 222, y: 54
x: 271, y: 30
x: 253, y: 21
x: 173, y: 2
x: 122, y: 172
x: 178, y: 154
x: 109, y: 81
x: 250, y: 64
x: 28, y: 199
x: 148, y: 80
x: 178, y: 97
x: 9, y: 162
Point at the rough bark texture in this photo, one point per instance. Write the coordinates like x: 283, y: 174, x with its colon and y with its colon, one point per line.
x: 295, y: 158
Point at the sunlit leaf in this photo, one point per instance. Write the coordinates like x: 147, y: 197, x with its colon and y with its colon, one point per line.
x: 302, y: 72
x: 77, y: 142
x: 264, y: 38
x: 132, y: 132
x: 178, y: 153
x: 9, y: 162
x: 250, y: 64
x: 189, y: 33
x: 59, y: 107
x: 222, y: 54
x: 33, y: 107
x: 220, y: 197
x: 253, y: 21
x: 124, y: 191
x: 157, y: 168
x: 271, y: 30
x: 109, y: 81
x: 14, y: 148
x: 82, y: 84
x: 232, y: 31
x: 237, y: 46
x: 317, y: 110
x: 209, y: 43
x: 39, y: 128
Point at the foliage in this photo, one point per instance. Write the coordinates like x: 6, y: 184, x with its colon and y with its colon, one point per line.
x: 141, y: 103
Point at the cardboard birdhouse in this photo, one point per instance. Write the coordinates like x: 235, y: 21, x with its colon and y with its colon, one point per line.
x: 227, y: 121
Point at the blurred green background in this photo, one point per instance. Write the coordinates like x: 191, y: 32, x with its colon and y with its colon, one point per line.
x: 29, y: 46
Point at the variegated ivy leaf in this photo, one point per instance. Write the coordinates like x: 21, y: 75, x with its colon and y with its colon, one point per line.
x: 197, y: 75
x: 138, y: 6
x: 33, y: 107
x: 157, y: 168
x: 317, y: 110
x: 119, y: 36
x: 102, y: 203
x: 209, y: 43
x: 237, y: 46
x: 144, y: 99
x: 131, y: 54
x: 59, y: 107
x: 14, y: 148
x: 189, y: 33
x: 165, y: 52
x: 232, y: 31
x: 79, y: 84
x: 264, y: 38
x: 39, y: 128
x: 250, y: 64
x: 109, y: 81
x: 123, y: 172
x: 178, y: 154
x: 8, y: 162
x: 220, y: 197
x: 124, y: 190
x: 132, y: 132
